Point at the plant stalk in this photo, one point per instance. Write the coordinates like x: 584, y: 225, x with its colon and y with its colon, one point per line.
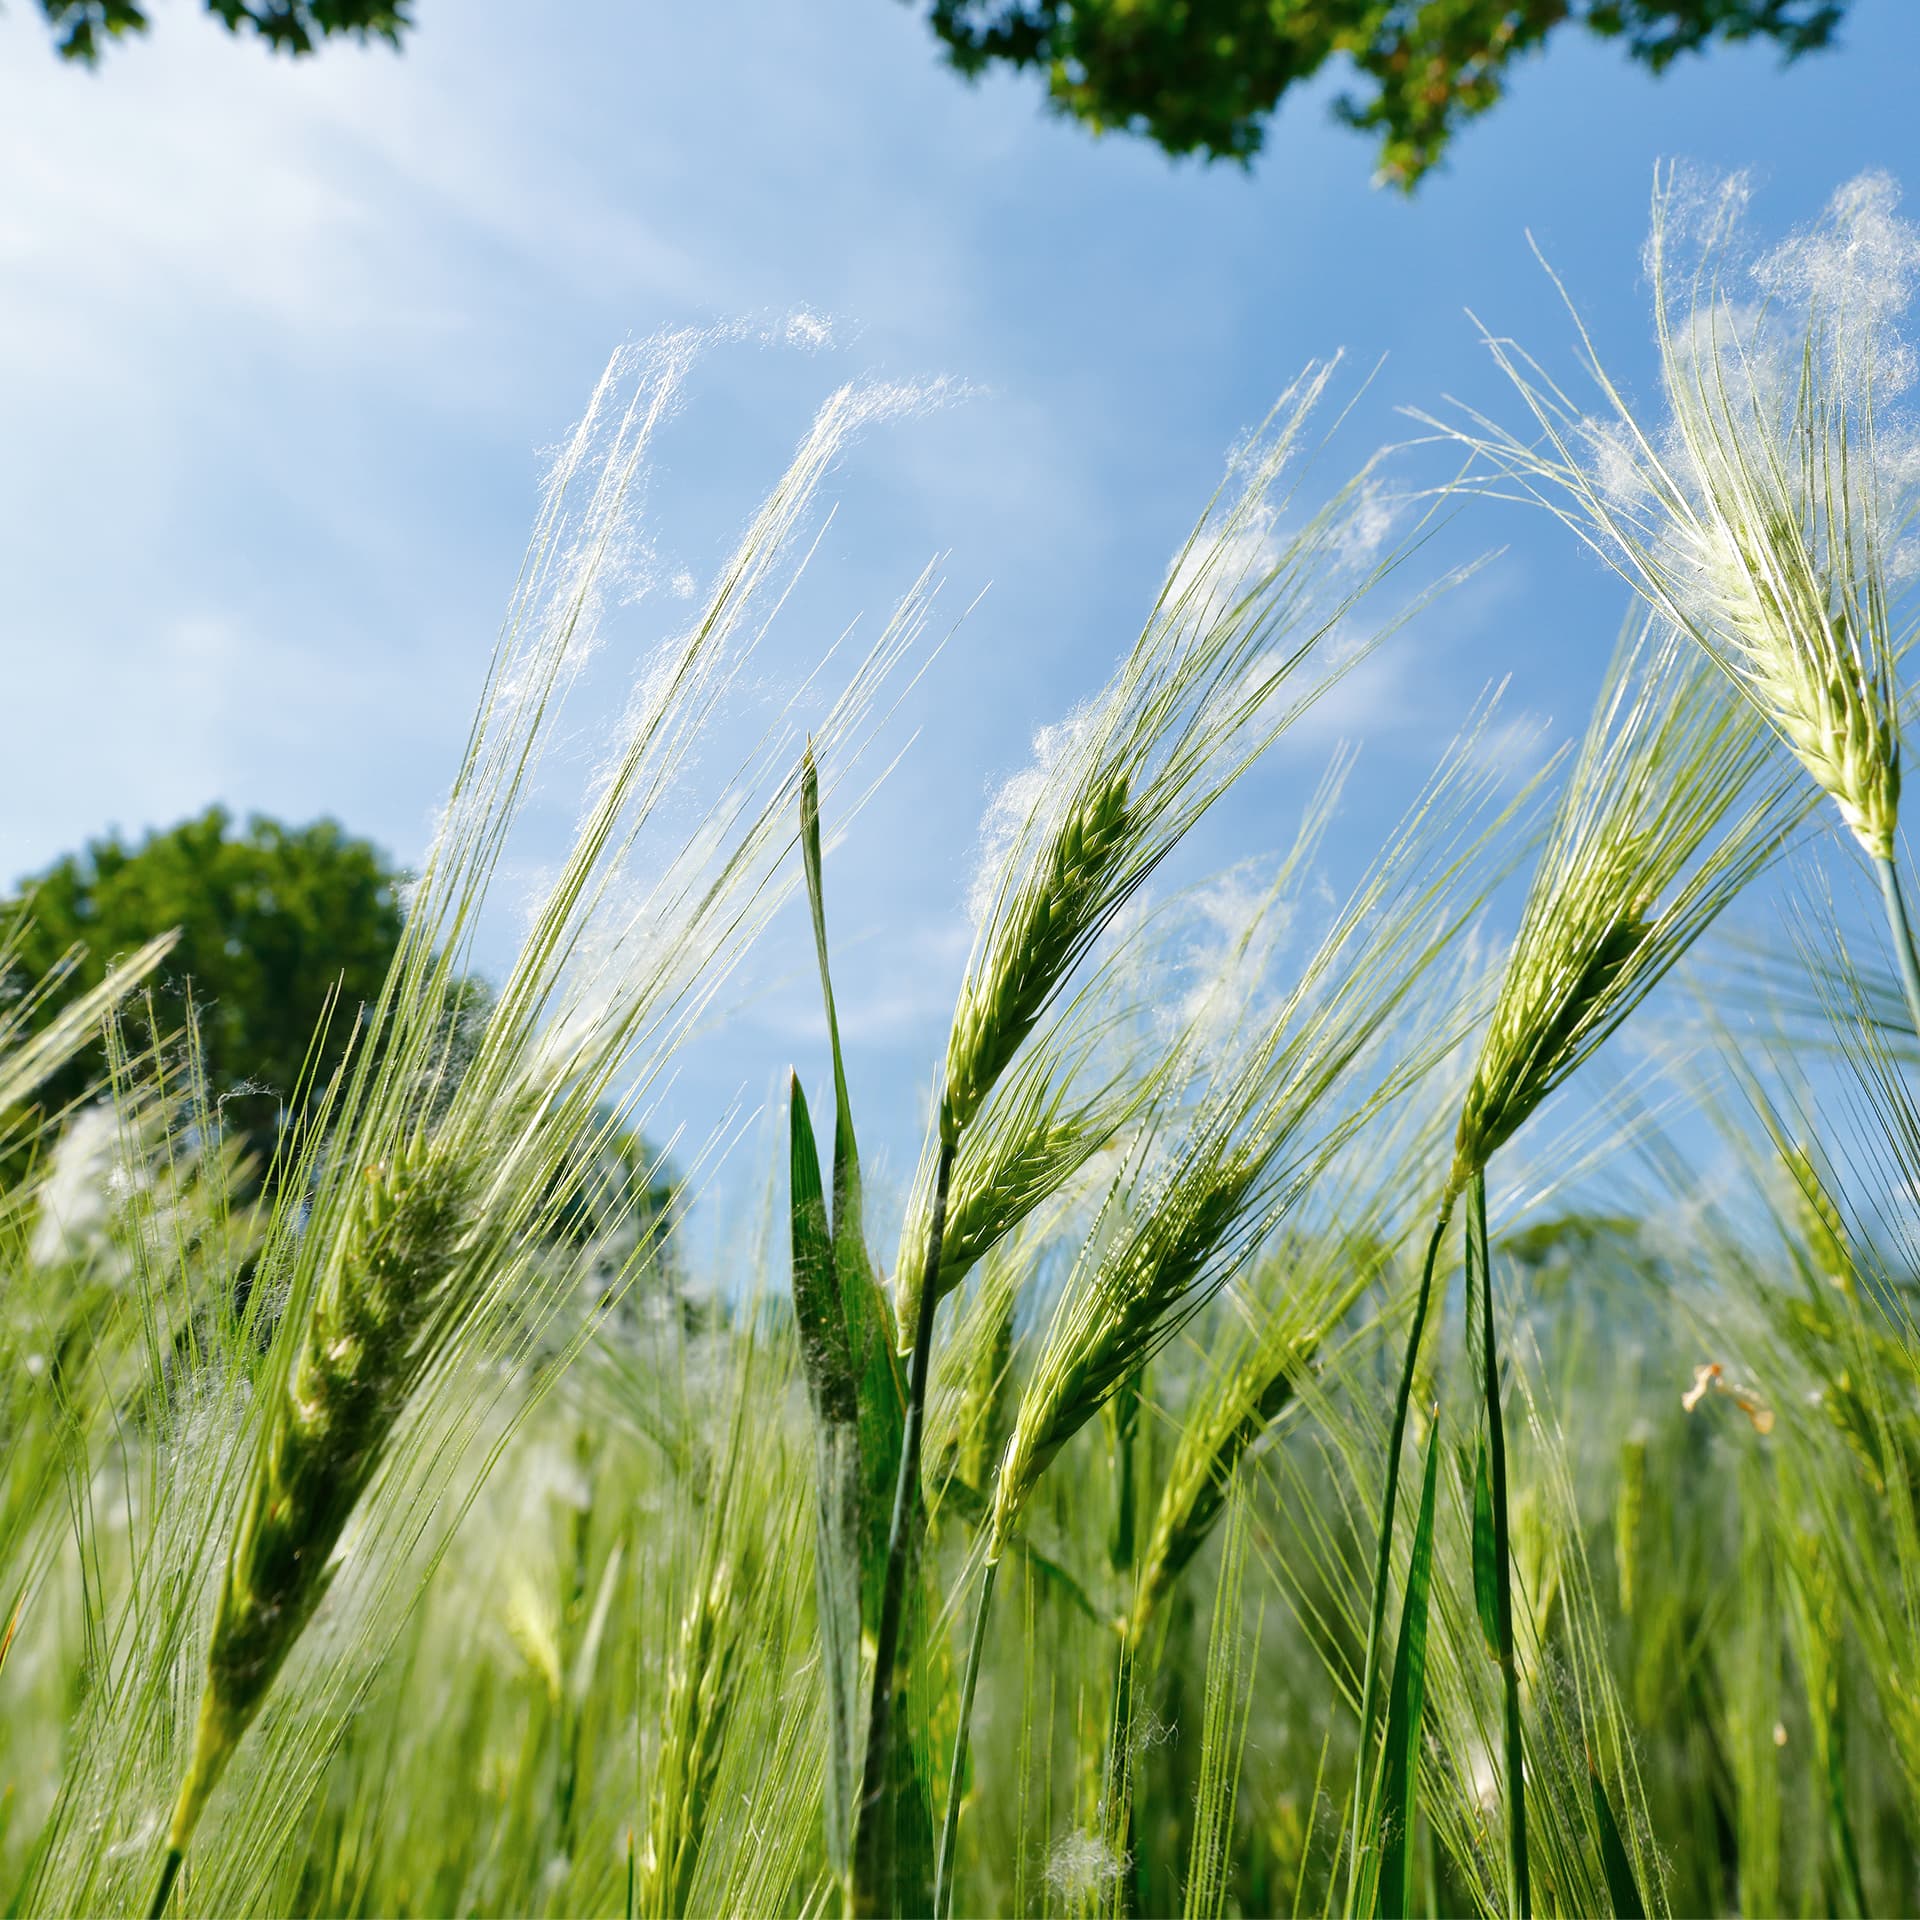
x: 1901, y: 928
x: 870, y: 1850
x: 1520, y: 1886
x: 1124, y: 1408
x: 169, y: 1872
x: 1383, y: 1560
x: 1116, y: 1798
x: 950, y: 1825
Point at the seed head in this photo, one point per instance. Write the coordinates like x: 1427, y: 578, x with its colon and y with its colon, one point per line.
x: 1194, y: 1493
x: 1057, y: 909
x: 1540, y: 1022
x: 1760, y: 520
x: 1111, y: 1324
x: 1673, y: 804
x: 1240, y: 642
x: 701, y: 1687
x: 326, y: 1426
x: 1781, y: 625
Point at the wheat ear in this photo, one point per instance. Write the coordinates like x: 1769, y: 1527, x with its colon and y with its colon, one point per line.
x: 326, y: 1428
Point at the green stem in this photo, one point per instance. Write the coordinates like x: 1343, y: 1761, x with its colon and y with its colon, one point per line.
x: 872, y: 1852
x: 1125, y: 1410
x: 1383, y: 1561
x: 1117, y: 1794
x: 950, y: 1826
x: 1902, y: 930
x: 1521, y: 1888
x: 169, y: 1871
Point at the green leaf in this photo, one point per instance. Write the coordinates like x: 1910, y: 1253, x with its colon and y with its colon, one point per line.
x: 825, y: 1352
x: 881, y: 1388
x: 1486, y: 1568
x: 882, y: 1395
x: 879, y: 1391
x: 1406, y: 1699
x: 832, y: 1389
x: 846, y: 1154
x: 1622, y: 1890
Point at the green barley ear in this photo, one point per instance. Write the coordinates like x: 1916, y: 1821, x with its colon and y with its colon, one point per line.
x: 702, y: 1682
x: 1121, y: 1307
x: 1232, y: 653
x: 1673, y: 805
x: 1055, y: 911
x: 1281, y: 1318
x: 1239, y: 644
x: 1199, y: 1480
x: 1795, y: 587
x: 991, y: 1198
x: 1823, y: 1228
x: 1087, y: 1074
x: 1244, y: 1395
x: 1762, y: 519
x: 1792, y: 480
x: 326, y: 1427
x: 1084, y: 1078
x: 971, y: 1399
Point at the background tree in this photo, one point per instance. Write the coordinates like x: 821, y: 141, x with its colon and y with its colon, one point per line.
x: 81, y: 28
x: 271, y: 917
x: 1203, y: 76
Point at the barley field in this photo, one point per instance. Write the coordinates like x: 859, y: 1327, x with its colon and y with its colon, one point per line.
x: 1389, y: 1391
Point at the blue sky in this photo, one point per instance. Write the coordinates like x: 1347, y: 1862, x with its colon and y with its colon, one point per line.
x: 279, y: 347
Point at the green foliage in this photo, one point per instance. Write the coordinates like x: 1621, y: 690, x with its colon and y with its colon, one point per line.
x: 1203, y: 76
x: 275, y: 923
x: 83, y: 29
